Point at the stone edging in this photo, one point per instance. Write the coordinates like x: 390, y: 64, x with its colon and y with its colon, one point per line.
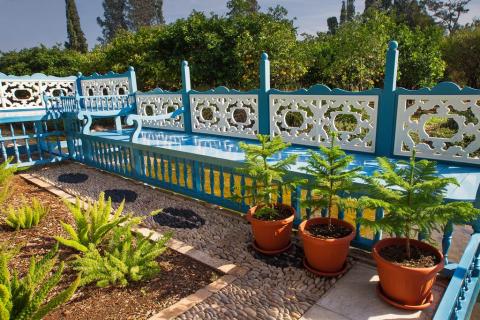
x: 231, y: 271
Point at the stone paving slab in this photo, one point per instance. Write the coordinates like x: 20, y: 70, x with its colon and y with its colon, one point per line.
x: 354, y: 297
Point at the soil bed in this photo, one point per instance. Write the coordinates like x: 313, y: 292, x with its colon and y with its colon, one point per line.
x: 325, y: 232
x: 180, y: 275
x: 282, y: 212
x: 420, y: 258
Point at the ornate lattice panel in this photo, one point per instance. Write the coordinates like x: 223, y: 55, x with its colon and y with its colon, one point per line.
x: 160, y: 104
x: 307, y: 119
x: 105, y: 87
x: 230, y: 114
x: 445, y: 127
x: 28, y: 93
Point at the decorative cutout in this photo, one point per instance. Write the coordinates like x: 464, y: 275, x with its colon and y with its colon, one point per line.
x: 445, y: 127
x: 160, y: 104
x: 234, y: 115
x: 106, y: 86
x: 306, y: 119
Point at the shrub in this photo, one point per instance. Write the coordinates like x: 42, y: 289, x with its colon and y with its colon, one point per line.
x: 27, y: 216
x: 127, y: 258
x: 27, y: 297
x: 92, y: 223
x: 6, y: 174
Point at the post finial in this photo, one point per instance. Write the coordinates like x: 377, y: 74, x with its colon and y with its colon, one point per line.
x: 185, y: 63
x: 79, y: 74
x: 130, y: 68
x: 264, y: 56
x: 393, y: 45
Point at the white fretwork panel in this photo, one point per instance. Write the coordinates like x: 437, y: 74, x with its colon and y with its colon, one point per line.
x: 29, y: 93
x: 307, y: 119
x: 160, y: 104
x: 416, y: 112
x: 107, y: 86
x: 233, y: 115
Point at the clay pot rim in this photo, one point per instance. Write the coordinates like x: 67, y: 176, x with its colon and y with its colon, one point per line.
x: 347, y: 238
x: 382, y: 243
x: 289, y: 219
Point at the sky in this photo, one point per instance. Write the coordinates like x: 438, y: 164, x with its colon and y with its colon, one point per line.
x: 28, y: 23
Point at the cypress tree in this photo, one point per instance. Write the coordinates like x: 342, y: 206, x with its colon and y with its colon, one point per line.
x: 332, y: 25
x: 343, y: 13
x: 242, y: 7
x: 350, y: 9
x: 76, y: 38
x: 114, y: 19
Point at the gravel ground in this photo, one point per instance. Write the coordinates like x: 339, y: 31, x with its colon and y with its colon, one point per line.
x: 270, y: 290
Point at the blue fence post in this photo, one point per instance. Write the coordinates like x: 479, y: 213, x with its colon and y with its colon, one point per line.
x: 263, y: 93
x: 69, y: 129
x: 132, y: 79
x: 447, y: 240
x: 385, y: 138
x: 186, y: 88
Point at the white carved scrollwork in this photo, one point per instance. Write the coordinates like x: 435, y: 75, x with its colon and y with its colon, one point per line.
x: 105, y: 87
x: 160, y: 104
x: 229, y: 115
x: 444, y: 127
x: 307, y: 119
x: 28, y: 93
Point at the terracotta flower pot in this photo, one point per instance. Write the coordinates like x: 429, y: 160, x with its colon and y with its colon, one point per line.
x: 271, y: 236
x: 406, y: 287
x: 325, y: 256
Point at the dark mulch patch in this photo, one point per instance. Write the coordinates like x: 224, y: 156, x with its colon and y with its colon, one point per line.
x: 118, y: 195
x: 179, y: 218
x: 293, y: 257
x: 420, y: 258
x: 180, y: 275
x: 72, y: 178
x: 329, y: 232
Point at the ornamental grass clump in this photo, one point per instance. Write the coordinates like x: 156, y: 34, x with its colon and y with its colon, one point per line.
x: 92, y: 223
x: 412, y: 194
x: 330, y: 180
x: 269, y: 179
x: 28, y: 297
x: 27, y: 216
x: 126, y: 258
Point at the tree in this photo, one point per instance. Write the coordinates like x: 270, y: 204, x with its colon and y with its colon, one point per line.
x: 448, y: 12
x: 460, y: 51
x: 350, y: 9
x: 332, y: 25
x: 412, y: 13
x: 242, y: 7
x: 76, y: 38
x: 370, y: 4
x: 343, y: 13
x: 114, y: 19
x: 143, y: 13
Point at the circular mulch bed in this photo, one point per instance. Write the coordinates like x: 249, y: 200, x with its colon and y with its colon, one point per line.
x: 179, y: 218
x: 293, y: 257
x: 117, y: 195
x: 72, y: 178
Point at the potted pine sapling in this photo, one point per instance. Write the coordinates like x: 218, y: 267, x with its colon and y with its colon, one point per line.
x: 412, y: 194
x: 271, y: 222
x: 326, y: 240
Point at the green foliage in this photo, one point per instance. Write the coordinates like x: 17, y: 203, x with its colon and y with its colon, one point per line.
x: 92, y: 223
x: 127, y: 258
x: 76, y: 38
x: 412, y: 195
x: 268, y: 178
x: 331, y: 177
x: 27, y: 216
x: 242, y: 7
x: 28, y: 297
x: 6, y: 174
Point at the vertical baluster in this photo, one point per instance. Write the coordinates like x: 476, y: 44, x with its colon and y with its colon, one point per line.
x: 177, y: 170
x: 15, y: 146
x: 162, y: 168
x: 447, y: 240
x: 379, y: 213
x: 2, y: 145
x: 57, y: 138
x: 203, y: 183
x: 324, y: 212
x: 309, y: 197
x: 121, y: 161
x: 115, y: 158
x: 212, y: 180
x: 169, y: 168
x: 295, y: 196
x: 142, y: 161
x: 196, y: 182
x: 185, y: 173
x: 243, y: 189
x: 110, y: 156
x: 38, y: 131
x: 27, y: 145
x: 155, y: 165
x: 232, y: 183
x: 149, y: 165
x: 222, y: 183
x: 357, y: 225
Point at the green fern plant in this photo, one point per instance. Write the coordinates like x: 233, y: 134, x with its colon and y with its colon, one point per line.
x: 92, y: 223
x: 269, y: 179
x: 27, y: 216
x: 127, y: 258
x: 27, y: 297
x: 412, y: 194
x: 330, y: 178
x: 6, y: 174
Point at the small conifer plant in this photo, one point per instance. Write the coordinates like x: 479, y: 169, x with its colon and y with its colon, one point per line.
x: 331, y: 178
x: 92, y: 223
x: 268, y: 178
x: 412, y: 194
x: 27, y: 216
x: 125, y: 259
x: 28, y: 297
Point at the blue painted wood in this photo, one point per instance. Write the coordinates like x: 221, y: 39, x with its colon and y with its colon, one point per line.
x: 263, y: 95
x: 447, y: 240
x: 186, y: 89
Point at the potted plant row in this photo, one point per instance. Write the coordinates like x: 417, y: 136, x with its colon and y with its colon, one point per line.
x: 410, y: 192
